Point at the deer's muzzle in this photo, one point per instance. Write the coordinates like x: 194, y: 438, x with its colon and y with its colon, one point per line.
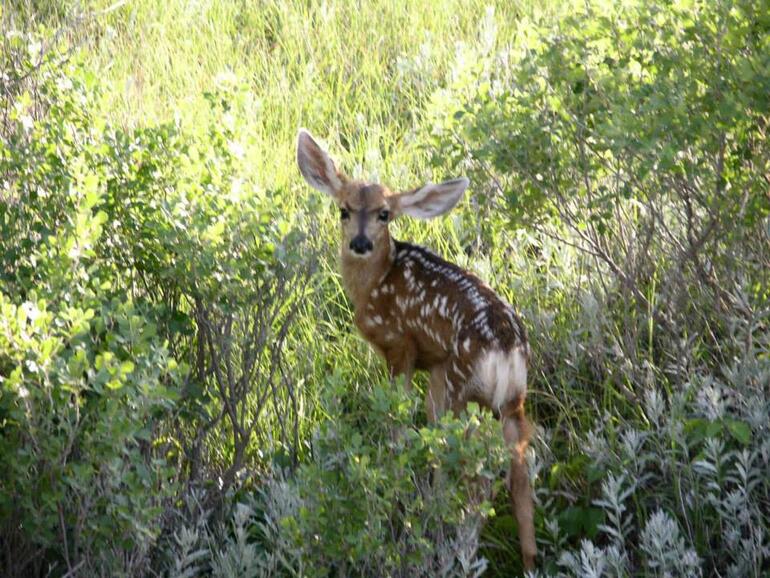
x: 361, y: 245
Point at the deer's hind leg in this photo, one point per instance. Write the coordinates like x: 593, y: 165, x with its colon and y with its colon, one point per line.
x: 446, y: 390
x: 517, y: 431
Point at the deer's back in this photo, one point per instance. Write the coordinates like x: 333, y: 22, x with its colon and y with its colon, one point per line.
x: 454, y: 321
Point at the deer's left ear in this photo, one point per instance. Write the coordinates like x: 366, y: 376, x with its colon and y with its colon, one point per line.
x: 316, y: 166
x: 432, y: 200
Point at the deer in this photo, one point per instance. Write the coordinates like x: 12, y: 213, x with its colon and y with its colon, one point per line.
x: 420, y: 312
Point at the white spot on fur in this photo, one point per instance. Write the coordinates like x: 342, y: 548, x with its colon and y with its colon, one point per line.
x: 377, y: 319
x: 502, y: 375
x: 467, y: 344
x: 409, y: 276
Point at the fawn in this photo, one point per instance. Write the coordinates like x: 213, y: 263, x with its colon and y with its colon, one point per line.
x: 421, y: 312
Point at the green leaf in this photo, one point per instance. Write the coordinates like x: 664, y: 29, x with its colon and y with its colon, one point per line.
x: 713, y: 429
x: 740, y: 430
x: 115, y: 384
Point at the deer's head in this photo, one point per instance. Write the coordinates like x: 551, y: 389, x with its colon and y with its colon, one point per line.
x: 366, y: 209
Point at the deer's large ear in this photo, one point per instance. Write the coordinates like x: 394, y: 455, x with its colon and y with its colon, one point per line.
x: 432, y: 200
x: 316, y: 166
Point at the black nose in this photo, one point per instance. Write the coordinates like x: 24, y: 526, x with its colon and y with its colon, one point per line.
x: 361, y: 244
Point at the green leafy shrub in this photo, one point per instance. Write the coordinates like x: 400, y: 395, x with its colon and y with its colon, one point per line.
x: 379, y: 495
x: 84, y: 473
x: 116, y: 246
x: 86, y: 375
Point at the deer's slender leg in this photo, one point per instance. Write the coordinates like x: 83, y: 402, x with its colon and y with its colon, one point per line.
x: 458, y: 406
x: 408, y: 375
x: 401, y: 361
x: 435, y: 399
x: 516, y: 430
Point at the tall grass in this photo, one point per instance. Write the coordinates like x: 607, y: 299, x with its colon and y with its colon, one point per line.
x: 337, y: 68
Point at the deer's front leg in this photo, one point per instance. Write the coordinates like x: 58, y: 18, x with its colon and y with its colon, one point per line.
x: 400, y: 360
x: 435, y: 399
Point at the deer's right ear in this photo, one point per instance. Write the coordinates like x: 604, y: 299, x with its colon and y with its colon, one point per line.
x: 432, y: 200
x: 316, y: 166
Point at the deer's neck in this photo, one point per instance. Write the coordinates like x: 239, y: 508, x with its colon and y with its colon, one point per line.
x: 361, y: 276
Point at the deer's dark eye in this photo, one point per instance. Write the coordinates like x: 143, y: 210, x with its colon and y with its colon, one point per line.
x: 384, y: 215
x: 344, y: 214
